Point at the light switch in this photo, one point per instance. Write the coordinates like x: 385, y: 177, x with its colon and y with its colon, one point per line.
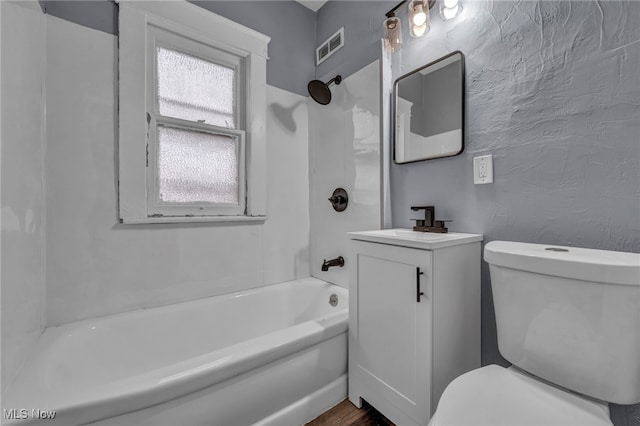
x: 483, y: 169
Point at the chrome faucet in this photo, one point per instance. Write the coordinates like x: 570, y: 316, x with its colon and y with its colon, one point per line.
x: 338, y: 261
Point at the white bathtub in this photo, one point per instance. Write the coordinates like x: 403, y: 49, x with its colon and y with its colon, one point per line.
x: 274, y: 355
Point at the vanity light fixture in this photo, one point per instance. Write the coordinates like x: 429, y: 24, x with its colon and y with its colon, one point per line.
x: 419, y: 21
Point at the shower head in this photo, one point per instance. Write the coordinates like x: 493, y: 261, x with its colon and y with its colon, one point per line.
x: 320, y: 92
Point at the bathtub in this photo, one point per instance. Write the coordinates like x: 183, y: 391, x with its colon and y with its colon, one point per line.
x: 274, y: 355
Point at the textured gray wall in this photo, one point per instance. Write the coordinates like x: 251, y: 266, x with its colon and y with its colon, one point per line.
x: 290, y: 25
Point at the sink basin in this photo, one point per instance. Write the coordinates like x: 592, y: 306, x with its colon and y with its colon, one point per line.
x: 414, y: 239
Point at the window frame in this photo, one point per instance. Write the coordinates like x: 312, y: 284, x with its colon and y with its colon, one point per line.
x: 192, y: 30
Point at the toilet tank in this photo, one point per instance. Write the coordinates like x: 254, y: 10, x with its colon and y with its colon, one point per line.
x: 570, y: 316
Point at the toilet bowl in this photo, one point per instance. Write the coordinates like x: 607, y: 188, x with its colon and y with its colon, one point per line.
x: 568, y: 320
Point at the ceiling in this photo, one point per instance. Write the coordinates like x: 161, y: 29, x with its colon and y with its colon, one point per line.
x: 312, y: 4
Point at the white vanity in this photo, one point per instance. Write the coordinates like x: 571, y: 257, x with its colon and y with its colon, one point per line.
x: 414, y: 318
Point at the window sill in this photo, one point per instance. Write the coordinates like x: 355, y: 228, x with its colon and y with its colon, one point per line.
x: 195, y: 219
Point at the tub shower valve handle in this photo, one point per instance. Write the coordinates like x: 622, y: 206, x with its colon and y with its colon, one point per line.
x: 336, y: 199
x: 339, y: 200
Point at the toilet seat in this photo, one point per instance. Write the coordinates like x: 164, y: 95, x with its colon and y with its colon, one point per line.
x: 495, y: 396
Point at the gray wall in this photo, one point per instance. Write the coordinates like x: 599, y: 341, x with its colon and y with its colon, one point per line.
x: 362, y: 22
x: 290, y: 25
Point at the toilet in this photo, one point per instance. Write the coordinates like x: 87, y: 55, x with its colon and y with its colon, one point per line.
x: 568, y: 320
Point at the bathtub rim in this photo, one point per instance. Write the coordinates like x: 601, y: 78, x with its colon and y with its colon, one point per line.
x: 168, y: 305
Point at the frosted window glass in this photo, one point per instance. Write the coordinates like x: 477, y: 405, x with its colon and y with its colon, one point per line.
x: 193, y: 89
x: 197, y: 167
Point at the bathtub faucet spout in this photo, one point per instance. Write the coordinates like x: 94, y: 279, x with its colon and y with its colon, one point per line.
x: 338, y: 261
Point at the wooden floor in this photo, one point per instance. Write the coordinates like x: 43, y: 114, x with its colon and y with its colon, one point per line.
x: 347, y: 414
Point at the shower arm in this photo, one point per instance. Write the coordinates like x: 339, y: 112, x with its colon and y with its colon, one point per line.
x: 337, y: 79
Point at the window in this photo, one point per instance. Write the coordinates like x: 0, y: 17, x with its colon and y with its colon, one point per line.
x: 192, y: 116
x: 195, y: 147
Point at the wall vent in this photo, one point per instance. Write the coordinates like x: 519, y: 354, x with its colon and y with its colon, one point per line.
x: 330, y: 45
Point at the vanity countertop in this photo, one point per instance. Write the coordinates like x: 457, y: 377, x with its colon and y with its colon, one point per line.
x: 414, y: 239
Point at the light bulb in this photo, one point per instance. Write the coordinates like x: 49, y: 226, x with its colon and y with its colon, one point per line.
x: 419, y: 30
x: 450, y: 13
x: 449, y: 9
x: 419, y: 16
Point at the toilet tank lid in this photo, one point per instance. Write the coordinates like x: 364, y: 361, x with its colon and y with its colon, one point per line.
x: 602, y: 266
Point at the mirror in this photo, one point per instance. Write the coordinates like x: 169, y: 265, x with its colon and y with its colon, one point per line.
x: 429, y: 111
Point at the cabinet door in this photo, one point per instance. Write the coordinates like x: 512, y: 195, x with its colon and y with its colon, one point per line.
x: 391, y: 330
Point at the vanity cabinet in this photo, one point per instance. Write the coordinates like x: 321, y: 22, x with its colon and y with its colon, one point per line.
x: 414, y: 318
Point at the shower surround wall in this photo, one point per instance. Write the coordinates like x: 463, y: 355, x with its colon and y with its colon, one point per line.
x: 140, y: 262
x: 23, y: 52
x: 96, y: 266
x: 344, y: 153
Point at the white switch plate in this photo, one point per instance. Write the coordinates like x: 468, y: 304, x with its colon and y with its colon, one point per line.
x: 483, y: 169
